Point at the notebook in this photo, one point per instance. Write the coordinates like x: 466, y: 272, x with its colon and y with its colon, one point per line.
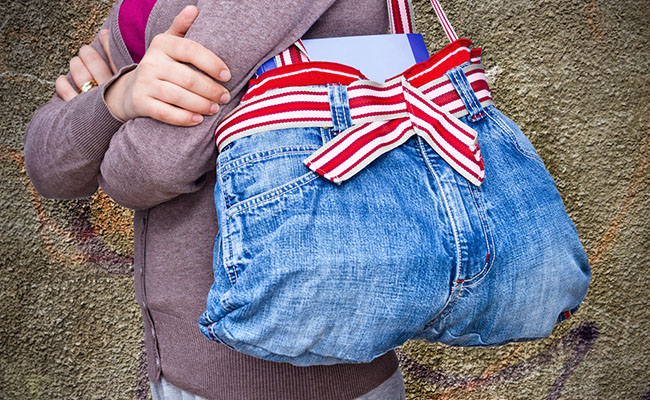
x: 378, y: 57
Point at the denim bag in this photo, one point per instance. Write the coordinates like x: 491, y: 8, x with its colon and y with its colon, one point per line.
x: 355, y: 215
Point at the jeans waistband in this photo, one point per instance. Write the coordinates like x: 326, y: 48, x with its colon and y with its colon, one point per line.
x: 373, y: 117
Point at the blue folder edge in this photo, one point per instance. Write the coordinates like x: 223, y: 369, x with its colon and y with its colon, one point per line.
x: 420, y: 52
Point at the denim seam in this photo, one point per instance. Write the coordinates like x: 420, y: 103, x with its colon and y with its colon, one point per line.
x: 470, y: 96
x: 456, y: 291
x: 334, y: 106
x: 226, y: 305
x: 493, y: 256
x: 459, y: 291
x: 226, y: 201
x: 272, y: 352
x: 447, y: 206
x: 487, y: 245
x: 345, y: 108
x: 266, y: 197
x: 218, y: 339
x: 325, y: 135
x: 250, y: 157
x: 467, y: 97
x: 211, y: 333
x: 231, y: 271
x: 510, y: 134
x: 488, y: 238
x: 340, y: 111
x: 338, y: 105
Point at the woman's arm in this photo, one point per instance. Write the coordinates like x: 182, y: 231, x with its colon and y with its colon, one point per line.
x: 148, y: 164
x: 63, y: 153
x: 143, y: 162
x: 65, y: 141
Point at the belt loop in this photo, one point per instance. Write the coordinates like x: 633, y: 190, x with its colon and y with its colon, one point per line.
x: 340, y: 107
x: 464, y: 89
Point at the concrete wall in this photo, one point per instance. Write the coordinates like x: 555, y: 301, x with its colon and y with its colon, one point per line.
x: 571, y: 73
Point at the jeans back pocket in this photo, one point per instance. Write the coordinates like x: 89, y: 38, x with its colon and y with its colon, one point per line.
x: 259, y: 165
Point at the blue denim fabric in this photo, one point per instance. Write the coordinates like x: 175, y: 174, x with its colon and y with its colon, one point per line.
x: 310, y: 272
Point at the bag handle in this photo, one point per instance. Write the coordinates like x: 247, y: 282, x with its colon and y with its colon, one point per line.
x: 296, y: 53
x: 400, y: 13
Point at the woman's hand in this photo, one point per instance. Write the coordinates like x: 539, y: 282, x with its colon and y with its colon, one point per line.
x: 87, y: 66
x: 164, y: 87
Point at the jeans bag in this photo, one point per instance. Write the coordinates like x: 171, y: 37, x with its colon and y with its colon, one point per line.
x: 355, y: 215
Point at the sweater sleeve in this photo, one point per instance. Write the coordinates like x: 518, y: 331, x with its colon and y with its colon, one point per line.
x: 74, y: 146
x: 65, y: 141
x: 149, y: 162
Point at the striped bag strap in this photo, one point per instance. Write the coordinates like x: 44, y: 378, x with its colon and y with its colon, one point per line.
x: 400, y: 13
x: 294, y: 54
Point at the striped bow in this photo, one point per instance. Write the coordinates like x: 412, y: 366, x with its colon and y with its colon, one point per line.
x: 389, y: 114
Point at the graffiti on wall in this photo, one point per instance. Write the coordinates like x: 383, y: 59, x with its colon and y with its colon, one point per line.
x: 97, y: 232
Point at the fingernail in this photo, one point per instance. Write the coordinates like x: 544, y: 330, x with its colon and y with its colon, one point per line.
x: 224, y: 75
x: 103, y: 32
x: 214, y: 108
x: 197, y: 118
x: 224, y: 98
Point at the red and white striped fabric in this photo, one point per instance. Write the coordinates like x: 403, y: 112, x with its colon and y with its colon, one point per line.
x: 383, y: 115
x: 400, y: 13
x: 285, y: 97
x: 396, y: 111
x: 442, y: 17
x: 296, y: 53
x: 421, y: 101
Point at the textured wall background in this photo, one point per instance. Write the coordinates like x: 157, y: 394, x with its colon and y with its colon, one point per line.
x: 573, y: 74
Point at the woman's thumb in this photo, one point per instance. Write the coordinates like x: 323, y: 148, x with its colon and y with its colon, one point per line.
x: 183, y: 21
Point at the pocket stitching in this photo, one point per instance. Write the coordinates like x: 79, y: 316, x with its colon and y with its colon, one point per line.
x: 511, y: 135
x: 255, y: 157
x: 266, y: 197
x: 231, y: 270
x: 270, y: 153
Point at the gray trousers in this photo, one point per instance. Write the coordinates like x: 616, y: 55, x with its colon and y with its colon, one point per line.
x: 392, y: 389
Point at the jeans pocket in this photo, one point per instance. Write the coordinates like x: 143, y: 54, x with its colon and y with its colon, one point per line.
x: 265, y: 165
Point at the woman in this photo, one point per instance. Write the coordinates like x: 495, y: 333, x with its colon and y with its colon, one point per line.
x: 119, y: 136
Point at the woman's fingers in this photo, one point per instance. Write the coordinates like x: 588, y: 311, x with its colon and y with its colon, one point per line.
x: 95, y: 64
x: 180, y: 97
x: 183, y: 21
x: 189, y: 51
x: 103, y: 39
x: 164, y: 86
x: 79, y: 72
x: 64, y: 88
x: 195, y: 82
x: 170, y: 114
x: 87, y: 66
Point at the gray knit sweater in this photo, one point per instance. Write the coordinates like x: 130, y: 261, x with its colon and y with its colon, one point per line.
x: 167, y: 175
